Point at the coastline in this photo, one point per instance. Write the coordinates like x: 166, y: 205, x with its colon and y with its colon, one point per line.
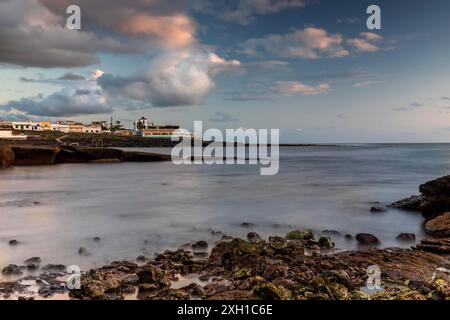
x: 299, y: 265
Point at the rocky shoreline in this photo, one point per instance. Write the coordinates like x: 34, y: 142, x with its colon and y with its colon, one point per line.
x: 297, y: 266
x: 27, y: 155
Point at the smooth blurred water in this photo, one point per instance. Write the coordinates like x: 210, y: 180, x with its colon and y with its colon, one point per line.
x: 140, y: 208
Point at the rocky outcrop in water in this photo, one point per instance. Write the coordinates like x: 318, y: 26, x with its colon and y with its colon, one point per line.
x: 6, y: 156
x: 27, y: 155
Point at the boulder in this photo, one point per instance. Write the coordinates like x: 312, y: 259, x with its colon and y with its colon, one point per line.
x: 12, y: 269
x: 34, y: 155
x: 436, y: 197
x: 377, y: 210
x: 412, y: 203
x: 302, y: 235
x: 326, y: 243
x: 406, y: 236
x: 441, y: 246
x: 367, y: 239
x: 438, y: 187
x: 439, y: 227
x: 6, y: 156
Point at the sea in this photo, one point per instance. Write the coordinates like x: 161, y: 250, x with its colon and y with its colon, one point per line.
x: 142, y: 208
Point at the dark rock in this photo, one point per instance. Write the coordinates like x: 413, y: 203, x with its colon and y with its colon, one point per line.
x: 150, y: 274
x: 348, y: 236
x: 96, y: 239
x: 141, y: 259
x: 253, y: 237
x: 438, y: 187
x: 377, y: 209
x: 200, y: 246
x: 412, y: 203
x: 36, y: 260
x: 269, y: 291
x: 367, y: 239
x: 32, y: 267
x: 6, y: 156
x: 12, y: 269
x: 34, y: 155
x: 441, y: 246
x: 83, y: 251
x: 302, y: 235
x: 277, y: 243
x: 247, y: 224
x: 434, y: 206
x: 439, y: 227
x: 13, y: 243
x: 54, y: 268
x: 326, y: 243
x: 406, y: 236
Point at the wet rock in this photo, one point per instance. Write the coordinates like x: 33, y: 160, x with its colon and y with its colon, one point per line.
x: 302, y: 235
x: 406, y: 237
x: 438, y: 187
x: 32, y: 267
x: 35, y: 260
x: 331, y: 232
x: 54, y: 268
x: 377, y: 210
x: 200, y: 246
x: 247, y: 225
x: 367, y: 239
x: 96, y: 239
x: 439, y: 227
x: 277, y: 243
x: 152, y: 274
x: 326, y: 243
x: 13, y: 243
x: 268, y: 291
x: 6, y: 156
x: 253, y: 237
x: 348, y: 236
x: 412, y: 203
x: 12, y: 269
x: 141, y: 259
x: 83, y: 251
x: 227, y: 254
x: 440, y: 246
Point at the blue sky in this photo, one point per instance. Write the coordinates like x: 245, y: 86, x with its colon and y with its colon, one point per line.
x: 309, y: 68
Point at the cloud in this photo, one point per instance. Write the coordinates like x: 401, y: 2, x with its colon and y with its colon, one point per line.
x: 223, y: 117
x: 309, y: 43
x: 87, y: 99
x: 245, y: 12
x: 289, y: 88
x: 174, y: 78
x: 164, y: 23
x: 33, y: 36
x: 367, y: 42
x: 411, y: 107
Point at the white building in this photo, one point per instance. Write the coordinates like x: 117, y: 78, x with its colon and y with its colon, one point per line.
x: 27, y: 126
x: 60, y: 127
x: 92, y: 128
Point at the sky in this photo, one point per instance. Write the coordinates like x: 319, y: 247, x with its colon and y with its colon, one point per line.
x: 310, y: 68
